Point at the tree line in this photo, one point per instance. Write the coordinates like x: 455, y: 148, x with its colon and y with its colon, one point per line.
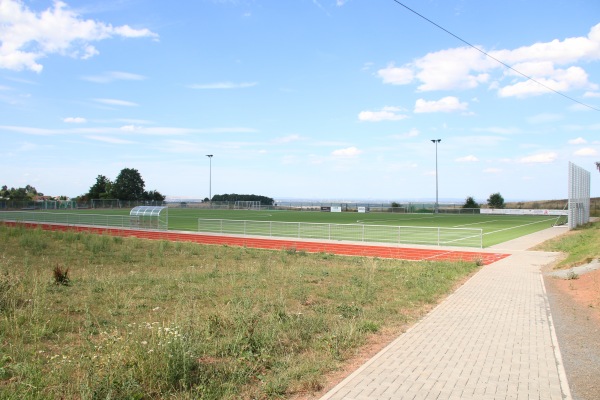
x: 19, y: 194
x: 264, y: 200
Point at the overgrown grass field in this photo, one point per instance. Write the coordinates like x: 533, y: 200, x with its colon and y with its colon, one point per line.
x: 496, y: 228
x: 85, y: 316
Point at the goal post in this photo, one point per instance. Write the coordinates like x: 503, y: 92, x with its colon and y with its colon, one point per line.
x: 246, y: 205
x: 106, y: 203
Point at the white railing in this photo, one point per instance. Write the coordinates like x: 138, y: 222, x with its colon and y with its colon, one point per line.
x: 122, y: 221
x: 466, y: 237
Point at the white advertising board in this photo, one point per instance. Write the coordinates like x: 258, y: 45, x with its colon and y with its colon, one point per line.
x: 519, y: 211
x: 336, y: 209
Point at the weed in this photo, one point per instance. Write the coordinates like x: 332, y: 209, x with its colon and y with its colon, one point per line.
x: 349, y: 311
x: 572, y: 275
x: 61, y: 276
x: 8, y: 296
x: 368, y: 327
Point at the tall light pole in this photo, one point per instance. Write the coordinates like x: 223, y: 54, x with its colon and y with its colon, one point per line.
x: 436, y: 141
x: 210, y: 156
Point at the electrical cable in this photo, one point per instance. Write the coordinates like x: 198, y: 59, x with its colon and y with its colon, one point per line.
x: 495, y: 59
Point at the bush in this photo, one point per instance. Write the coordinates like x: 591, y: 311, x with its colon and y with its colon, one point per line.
x: 470, y: 203
x: 496, y: 201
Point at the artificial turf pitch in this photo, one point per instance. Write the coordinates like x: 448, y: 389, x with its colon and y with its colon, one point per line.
x: 496, y: 228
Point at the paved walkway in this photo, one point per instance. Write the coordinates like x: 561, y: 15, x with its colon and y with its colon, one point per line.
x: 491, y: 339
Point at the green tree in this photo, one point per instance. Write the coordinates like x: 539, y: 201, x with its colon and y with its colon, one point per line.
x: 154, y: 195
x: 19, y: 194
x: 129, y: 185
x: 470, y: 203
x: 264, y: 200
x: 496, y: 201
x: 100, y: 189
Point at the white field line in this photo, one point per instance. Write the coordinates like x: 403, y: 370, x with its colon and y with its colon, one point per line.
x: 519, y: 226
x: 477, y: 223
x: 364, y: 221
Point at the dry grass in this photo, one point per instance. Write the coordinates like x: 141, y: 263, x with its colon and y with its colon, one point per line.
x: 148, y: 320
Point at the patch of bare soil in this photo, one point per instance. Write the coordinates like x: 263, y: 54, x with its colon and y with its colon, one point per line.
x: 575, y: 307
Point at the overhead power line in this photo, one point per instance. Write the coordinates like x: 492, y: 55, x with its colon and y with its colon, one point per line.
x: 495, y: 59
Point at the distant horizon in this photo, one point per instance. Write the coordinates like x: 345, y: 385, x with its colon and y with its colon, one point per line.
x: 365, y: 200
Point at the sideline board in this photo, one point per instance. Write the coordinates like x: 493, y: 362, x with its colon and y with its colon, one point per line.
x: 519, y: 211
x: 331, y: 209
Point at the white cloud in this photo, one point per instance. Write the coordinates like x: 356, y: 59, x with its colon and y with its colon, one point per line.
x: 116, y: 102
x: 111, y: 140
x: 469, y: 158
x: 27, y: 36
x: 386, y: 114
x: 414, y: 132
x: 75, y: 120
x: 287, y: 139
x: 542, y: 158
x: 223, y: 85
x: 155, y: 131
x: 550, y: 63
x: 347, y: 152
x: 112, y: 76
x: 459, y: 68
x: 561, y: 80
x: 130, y: 128
x: 396, y: 76
x: 579, y: 140
x: 586, y: 152
x: 446, y: 104
x: 593, y: 95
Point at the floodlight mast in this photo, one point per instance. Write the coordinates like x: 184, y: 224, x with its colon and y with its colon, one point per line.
x: 210, y: 156
x: 436, y: 208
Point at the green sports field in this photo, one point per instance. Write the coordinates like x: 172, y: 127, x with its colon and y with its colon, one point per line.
x: 495, y: 228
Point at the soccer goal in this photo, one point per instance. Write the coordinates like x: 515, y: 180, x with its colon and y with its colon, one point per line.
x: 106, y: 203
x: 246, y: 205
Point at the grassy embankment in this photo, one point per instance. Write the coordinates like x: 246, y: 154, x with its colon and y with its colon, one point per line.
x: 144, y: 319
x: 580, y: 245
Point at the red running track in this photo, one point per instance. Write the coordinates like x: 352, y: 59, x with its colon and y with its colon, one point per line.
x: 362, y: 250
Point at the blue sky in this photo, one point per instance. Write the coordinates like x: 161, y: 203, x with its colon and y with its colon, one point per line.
x: 318, y: 99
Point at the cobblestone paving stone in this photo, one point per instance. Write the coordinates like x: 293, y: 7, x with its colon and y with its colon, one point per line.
x: 491, y: 339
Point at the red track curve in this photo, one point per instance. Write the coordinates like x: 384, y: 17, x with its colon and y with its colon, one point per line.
x: 362, y: 250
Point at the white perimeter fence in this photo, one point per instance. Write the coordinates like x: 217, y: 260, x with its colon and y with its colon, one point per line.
x: 121, y: 221
x: 465, y: 237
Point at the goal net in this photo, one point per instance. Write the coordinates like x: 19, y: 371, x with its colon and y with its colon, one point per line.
x: 246, y: 205
x: 106, y: 203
